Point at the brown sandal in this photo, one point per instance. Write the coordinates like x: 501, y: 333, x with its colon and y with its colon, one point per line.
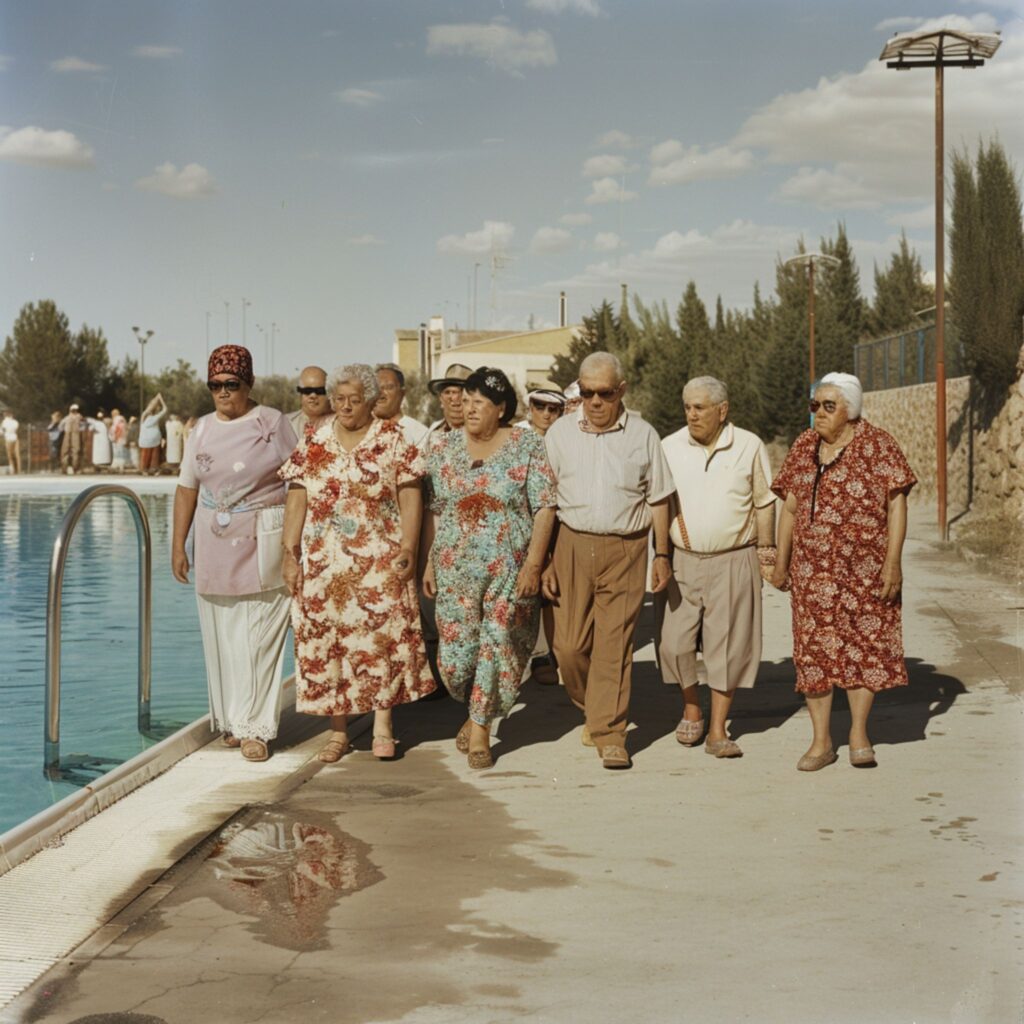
x: 462, y: 737
x: 255, y: 750
x: 230, y: 741
x: 333, y: 751
x: 480, y: 760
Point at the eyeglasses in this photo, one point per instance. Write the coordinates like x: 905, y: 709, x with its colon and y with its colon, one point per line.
x: 223, y: 385
x: 546, y: 406
x: 605, y: 394
x: 312, y: 391
x: 815, y: 405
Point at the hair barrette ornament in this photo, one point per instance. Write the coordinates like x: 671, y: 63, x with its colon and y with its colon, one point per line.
x: 493, y: 382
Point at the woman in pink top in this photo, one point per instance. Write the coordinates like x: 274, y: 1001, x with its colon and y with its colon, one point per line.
x: 231, y: 499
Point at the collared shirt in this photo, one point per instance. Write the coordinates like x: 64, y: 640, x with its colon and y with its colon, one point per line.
x: 415, y: 432
x: 719, y: 489
x: 607, y: 481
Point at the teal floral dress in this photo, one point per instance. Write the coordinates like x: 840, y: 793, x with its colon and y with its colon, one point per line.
x: 485, y: 511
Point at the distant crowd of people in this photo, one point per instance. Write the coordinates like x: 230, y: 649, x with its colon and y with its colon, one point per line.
x: 471, y: 552
x: 107, y: 442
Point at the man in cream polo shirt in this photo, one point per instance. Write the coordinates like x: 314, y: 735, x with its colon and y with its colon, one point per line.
x: 723, y: 532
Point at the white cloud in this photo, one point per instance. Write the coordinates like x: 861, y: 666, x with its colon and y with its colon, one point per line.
x: 559, y: 6
x: 69, y: 65
x: 575, y: 219
x: 607, y: 241
x: 157, y: 52
x: 675, y: 165
x: 493, y: 236
x: 898, y: 24
x: 367, y: 239
x: 727, y: 260
x: 922, y: 217
x: 498, y: 43
x: 42, y: 148
x: 604, y: 165
x: 193, y: 181
x: 981, y: 22
x: 615, y: 140
x: 874, y: 128
x: 359, y: 97
x: 548, y: 240
x: 608, y: 190
x: 828, y: 190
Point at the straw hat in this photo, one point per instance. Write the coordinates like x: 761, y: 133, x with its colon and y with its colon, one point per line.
x: 456, y: 377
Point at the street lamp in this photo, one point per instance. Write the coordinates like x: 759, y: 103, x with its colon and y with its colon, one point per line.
x: 940, y: 50
x: 245, y: 302
x: 810, y: 258
x: 227, y: 321
x: 142, y: 339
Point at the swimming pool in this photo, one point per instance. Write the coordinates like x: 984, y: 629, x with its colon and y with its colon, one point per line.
x: 100, y: 636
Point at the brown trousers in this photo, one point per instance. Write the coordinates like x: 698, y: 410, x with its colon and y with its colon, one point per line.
x: 601, y: 581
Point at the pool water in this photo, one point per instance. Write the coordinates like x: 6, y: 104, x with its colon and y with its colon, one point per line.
x: 100, y: 640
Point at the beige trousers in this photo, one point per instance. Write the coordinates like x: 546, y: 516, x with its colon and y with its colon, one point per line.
x: 601, y: 589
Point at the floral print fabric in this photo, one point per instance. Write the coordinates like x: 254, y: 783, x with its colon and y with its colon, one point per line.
x: 486, y: 512
x: 358, y: 645
x: 843, y: 634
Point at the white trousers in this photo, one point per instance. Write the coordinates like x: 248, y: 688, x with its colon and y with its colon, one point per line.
x: 243, y: 643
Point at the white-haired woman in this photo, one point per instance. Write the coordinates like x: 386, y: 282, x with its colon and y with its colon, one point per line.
x: 352, y: 523
x: 841, y: 532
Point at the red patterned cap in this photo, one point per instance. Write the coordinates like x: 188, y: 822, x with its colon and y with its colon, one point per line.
x: 231, y: 359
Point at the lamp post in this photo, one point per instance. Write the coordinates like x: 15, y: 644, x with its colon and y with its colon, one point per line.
x: 142, y: 338
x: 245, y: 302
x: 940, y: 50
x: 227, y: 321
x: 810, y: 258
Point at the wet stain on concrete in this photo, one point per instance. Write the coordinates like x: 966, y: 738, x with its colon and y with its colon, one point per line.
x: 989, y: 878
x: 118, y: 1018
x: 660, y: 862
x: 312, y: 904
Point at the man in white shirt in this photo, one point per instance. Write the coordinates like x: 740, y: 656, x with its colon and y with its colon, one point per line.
x: 9, y: 426
x: 389, y: 405
x: 723, y: 533
x: 315, y: 401
x: 613, y: 488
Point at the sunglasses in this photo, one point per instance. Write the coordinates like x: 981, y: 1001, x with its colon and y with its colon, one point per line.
x: 311, y: 391
x: 546, y: 406
x: 223, y: 385
x: 605, y: 394
x: 815, y: 405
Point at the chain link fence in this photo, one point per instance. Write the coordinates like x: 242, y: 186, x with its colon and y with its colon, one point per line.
x: 907, y: 358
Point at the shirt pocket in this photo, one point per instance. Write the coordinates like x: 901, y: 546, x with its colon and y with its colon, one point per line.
x: 269, y: 546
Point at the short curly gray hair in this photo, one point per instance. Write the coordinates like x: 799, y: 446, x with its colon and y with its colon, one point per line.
x: 355, y: 373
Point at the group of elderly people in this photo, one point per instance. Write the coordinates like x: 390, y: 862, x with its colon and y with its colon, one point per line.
x: 329, y: 518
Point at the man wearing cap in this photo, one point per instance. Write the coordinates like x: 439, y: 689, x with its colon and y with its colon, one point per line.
x: 73, y: 446
x: 449, y: 390
x: 388, y: 406
x: 613, y: 486
x: 724, y: 531
x: 315, y: 404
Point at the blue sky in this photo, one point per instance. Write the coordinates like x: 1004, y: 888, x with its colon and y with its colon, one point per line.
x: 343, y: 166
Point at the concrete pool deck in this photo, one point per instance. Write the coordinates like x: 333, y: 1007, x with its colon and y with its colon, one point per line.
x: 550, y: 889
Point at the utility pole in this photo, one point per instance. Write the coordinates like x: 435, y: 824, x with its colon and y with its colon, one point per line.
x: 245, y: 302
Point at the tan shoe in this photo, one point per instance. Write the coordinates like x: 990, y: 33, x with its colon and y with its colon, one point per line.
x: 462, y: 737
x: 863, y: 757
x: 480, y: 760
x: 814, y: 763
x: 255, y: 750
x: 586, y: 739
x: 723, y: 748
x: 332, y: 751
x: 615, y: 757
x: 689, y: 733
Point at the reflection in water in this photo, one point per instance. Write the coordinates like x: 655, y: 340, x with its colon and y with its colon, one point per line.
x: 289, y: 872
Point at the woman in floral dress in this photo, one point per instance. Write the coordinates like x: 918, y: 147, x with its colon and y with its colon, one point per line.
x: 352, y: 521
x: 841, y: 533
x: 493, y: 493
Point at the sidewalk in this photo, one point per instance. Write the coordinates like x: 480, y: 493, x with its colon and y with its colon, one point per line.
x: 548, y: 889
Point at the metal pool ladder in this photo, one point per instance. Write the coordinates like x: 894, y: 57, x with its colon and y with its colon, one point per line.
x: 51, y: 727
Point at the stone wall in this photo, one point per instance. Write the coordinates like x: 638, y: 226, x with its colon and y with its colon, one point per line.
x: 985, y: 467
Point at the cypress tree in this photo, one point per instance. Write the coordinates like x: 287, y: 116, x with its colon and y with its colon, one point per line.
x: 900, y: 292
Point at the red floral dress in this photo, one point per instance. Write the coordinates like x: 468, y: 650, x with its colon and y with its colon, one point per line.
x: 358, y: 644
x: 843, y: 633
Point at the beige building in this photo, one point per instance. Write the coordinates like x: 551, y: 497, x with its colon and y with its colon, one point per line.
x: 525, y: 356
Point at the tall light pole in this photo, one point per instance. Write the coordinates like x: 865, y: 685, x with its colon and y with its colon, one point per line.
x: 810, y: 258
x: 476, y: 267
x: 227, y: 321
x: 142, y: 338
x: 940, y: 50
x: 266, y: 344
x: 245, y: 302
